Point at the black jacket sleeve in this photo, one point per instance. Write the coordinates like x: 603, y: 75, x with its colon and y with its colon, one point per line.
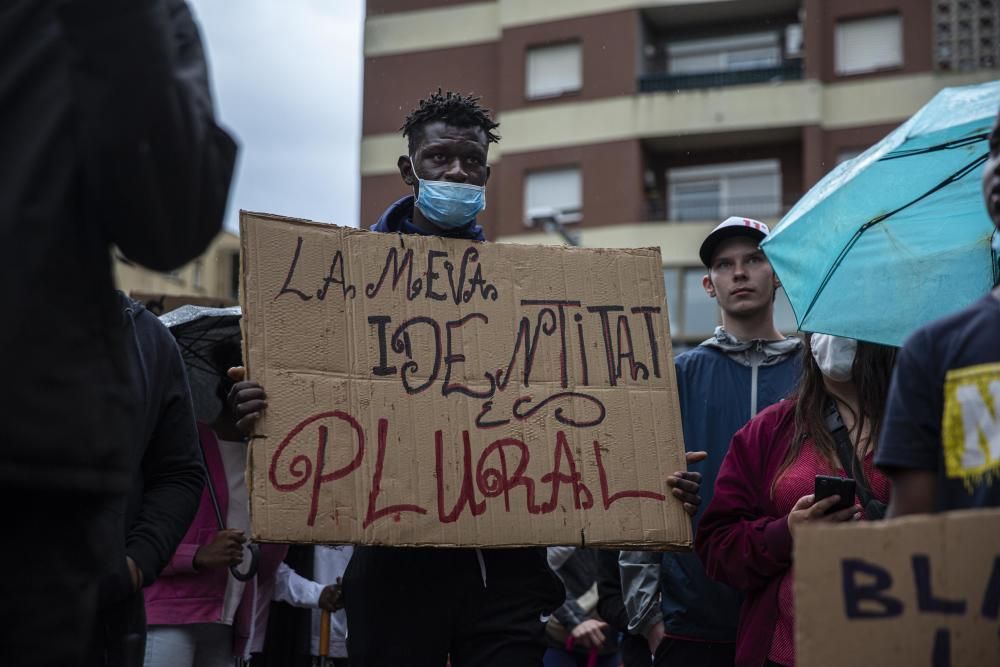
x: 610, y: 605
x: 157, y: 167
x: 172, y: 470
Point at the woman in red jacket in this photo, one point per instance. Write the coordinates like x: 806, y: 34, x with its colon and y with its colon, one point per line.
x: 765, y: 486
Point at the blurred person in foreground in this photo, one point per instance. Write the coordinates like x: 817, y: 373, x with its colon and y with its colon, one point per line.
x: 746, y: 366
x: 108, y: 138
x: 764, y: 490
x: 941, y: 442
x: 483, y: 607
x: 167, y: 482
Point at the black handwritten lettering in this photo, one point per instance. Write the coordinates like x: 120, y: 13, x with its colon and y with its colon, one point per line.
x: 603, y: 311
x: 401, y: 344
x: 285, y: 289
x: 926, y: 601
x: 413, y: 287
x: 625, y: 343
x: 432, y: 274
x: 880, y: 604
x: 585, y: 375
x: 451, y: 358
x: 530, y: 343
x: 558, y: 414
x: 654, y: 351
x: 336, y: 278
x: 383, y: 369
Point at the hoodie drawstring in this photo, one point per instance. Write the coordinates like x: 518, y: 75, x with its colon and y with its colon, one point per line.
x: 482, y: 565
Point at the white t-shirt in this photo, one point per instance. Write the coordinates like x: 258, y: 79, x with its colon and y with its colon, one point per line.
x: 234, y: 461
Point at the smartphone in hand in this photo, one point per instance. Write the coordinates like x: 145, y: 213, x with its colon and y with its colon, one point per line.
x: 828, y: 485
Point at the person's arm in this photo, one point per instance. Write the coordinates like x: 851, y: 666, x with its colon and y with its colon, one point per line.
x: 640, y: 587
x: 157, y: 167
x: 913, y: 492
x: 610, y: 603
x: 294, y: 589
x: 737, y: 542
x: 173, y: 475
x: 910, y: 449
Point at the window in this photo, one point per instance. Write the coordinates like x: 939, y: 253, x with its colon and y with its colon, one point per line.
x: 701, y: 312
x: 966, y: 34
x: 693, y: 314
x: 712, y: 192
x: 671, y: 280
x: 866, y: 45
x: 554, y: 70
x: 724, y: 54
x: 553, y: 193
x: 197, y: 271
x: 784, y: 316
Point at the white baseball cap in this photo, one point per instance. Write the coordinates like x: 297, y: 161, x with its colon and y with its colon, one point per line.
x: 728, y: 228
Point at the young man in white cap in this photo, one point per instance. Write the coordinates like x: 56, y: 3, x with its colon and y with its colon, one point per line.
x: 744, y: 367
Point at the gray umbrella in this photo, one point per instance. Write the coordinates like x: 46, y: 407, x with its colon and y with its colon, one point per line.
x: 198, y: 330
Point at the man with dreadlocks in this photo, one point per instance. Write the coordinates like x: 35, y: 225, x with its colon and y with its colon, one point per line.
x: 418, y: 606
x: 448, y: 136
x: 423, y: 606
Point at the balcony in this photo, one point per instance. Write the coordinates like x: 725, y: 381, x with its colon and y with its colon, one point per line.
x: 763, y: 208
x: 788, y: 71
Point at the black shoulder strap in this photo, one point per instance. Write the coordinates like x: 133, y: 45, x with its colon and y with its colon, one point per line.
x: 845, y: 452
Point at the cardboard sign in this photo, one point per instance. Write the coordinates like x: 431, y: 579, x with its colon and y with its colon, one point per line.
x: 429, y: 391
x: 912, y: 591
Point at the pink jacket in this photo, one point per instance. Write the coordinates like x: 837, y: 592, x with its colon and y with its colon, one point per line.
x: 183, y: 595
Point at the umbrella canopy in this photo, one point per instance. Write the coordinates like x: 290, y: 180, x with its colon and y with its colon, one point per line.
x: 900, y: 235
x: 199, y: 332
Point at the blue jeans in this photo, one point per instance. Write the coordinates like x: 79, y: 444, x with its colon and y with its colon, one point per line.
x: 190, y: 645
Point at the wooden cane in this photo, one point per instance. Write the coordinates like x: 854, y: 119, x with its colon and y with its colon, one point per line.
x: 324, y: 636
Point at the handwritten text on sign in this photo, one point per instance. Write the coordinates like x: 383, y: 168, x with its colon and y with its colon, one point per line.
x: 432, y: 391
x: 914, y: 591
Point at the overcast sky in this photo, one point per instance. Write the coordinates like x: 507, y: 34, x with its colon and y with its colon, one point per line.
x: 287, y: 82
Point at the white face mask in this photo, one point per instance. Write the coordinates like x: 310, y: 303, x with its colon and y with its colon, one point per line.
x: 834, y: 356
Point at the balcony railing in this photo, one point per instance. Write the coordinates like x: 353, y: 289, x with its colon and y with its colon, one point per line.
x: 652, y: 83
x: 708, y: 209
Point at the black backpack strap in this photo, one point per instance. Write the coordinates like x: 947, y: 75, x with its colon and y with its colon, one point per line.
x: 845, y: 452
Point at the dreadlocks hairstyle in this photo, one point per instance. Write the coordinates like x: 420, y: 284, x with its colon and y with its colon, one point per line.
x: 453, y: 109
x: 872, y: 374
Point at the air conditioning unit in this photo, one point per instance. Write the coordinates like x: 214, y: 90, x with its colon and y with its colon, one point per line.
x: 793, y: 40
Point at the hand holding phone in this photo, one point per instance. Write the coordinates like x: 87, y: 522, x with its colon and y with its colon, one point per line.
x: 828, y: 485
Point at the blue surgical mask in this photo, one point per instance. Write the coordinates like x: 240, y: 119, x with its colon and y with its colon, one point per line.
x: 450, y: 205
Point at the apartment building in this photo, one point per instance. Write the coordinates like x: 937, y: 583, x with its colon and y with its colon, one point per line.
x: 213, y: 278
x: 637, y: 123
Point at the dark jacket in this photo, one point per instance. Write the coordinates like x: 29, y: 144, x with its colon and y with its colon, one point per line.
x: 170, y: 476
x: 517, y: 569
x: 167, y: 479
x: 398, y: 218
x: 108, y: 138
x: 721, y: 384
x: 579, y: 570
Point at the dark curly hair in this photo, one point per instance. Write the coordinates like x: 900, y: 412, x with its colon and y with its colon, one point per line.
x: 452, y: 108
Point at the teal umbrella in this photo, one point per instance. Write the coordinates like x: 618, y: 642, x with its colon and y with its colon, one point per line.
x: 899, y: 235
